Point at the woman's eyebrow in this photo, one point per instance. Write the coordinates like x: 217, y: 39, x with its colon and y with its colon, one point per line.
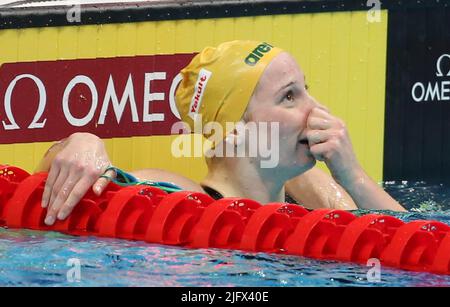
x: 286, y: 86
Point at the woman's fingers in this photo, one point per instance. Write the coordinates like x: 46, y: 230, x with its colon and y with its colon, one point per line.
x: 320, y: 119
x: 51, y: 213
x: 51, y: 178
x: 320, y: 151
x: 77, y: 193
x: 62, y: 177
x: 73, y: 170
x: 61, y: 190
x: 101, y: 183
x: 317, y: 136
x: 69, y: 189
x: 318, y: 123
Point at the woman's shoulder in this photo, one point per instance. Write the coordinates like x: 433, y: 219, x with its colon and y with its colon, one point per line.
x: 318, y: 189
x: 155, y: 174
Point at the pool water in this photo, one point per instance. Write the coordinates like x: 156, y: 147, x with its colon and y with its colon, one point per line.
x: 34, y: 258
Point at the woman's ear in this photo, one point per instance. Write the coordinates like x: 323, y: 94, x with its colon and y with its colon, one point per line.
x: 240, y: 132
x: 232, y: 138
x: 234, y: 142
x: 237, y: 136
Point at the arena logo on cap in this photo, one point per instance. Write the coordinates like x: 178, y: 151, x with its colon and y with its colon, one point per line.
x: 199, y: 90
x: 257, y: 54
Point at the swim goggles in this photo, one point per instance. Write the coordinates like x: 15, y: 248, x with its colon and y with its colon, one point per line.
x: 125, y: 179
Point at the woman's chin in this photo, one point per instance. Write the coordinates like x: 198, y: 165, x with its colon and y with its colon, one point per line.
x: 301, y: 165
x: 310, y: 163
x: 300, y: 161
x: 305, y: 159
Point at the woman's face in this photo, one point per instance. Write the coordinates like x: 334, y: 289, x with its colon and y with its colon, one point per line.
x: 281, y: 96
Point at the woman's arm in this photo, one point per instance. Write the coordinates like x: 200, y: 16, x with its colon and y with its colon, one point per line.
x: 316, y: 189
x: 47, y: 159
x: 154, y: 174
x: 368, y: 194
x: 75, y: 165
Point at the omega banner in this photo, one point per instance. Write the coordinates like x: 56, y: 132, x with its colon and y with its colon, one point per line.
x: 111, y: 97
x: 417, y: 122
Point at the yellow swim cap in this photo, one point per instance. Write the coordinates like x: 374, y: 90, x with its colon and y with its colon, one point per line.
x: 218, y: 82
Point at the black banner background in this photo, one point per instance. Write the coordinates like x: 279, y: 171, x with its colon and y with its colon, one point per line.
x: 417, y: 134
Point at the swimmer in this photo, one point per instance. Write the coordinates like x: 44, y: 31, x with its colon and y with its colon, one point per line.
x: 247, y: 82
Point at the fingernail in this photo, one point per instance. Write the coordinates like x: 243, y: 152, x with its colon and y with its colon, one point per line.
x: 62, y: 215
x: 49, y: 220
x: 98, y: 189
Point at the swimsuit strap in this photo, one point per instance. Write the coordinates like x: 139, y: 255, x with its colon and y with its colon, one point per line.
x: 289, y: 199
x: 212, y: 192
x: 216, y: 195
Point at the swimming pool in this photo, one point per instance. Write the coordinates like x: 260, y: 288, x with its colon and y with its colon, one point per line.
x: 35, y: 258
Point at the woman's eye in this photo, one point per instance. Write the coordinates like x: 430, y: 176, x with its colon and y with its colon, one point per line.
x: 289, y: 96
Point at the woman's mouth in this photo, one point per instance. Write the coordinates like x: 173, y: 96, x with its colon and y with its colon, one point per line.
x: 304, y: 141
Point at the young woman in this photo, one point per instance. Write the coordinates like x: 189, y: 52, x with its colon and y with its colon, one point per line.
x: 247, y: 82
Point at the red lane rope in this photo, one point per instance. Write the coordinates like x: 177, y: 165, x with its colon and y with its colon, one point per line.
x: 195, y: 220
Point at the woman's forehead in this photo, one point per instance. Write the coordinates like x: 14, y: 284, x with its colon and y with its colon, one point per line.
x: 282, y: 70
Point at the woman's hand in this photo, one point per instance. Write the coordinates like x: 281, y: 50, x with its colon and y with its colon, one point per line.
x: 76, y: 167
x: 329, y: 142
